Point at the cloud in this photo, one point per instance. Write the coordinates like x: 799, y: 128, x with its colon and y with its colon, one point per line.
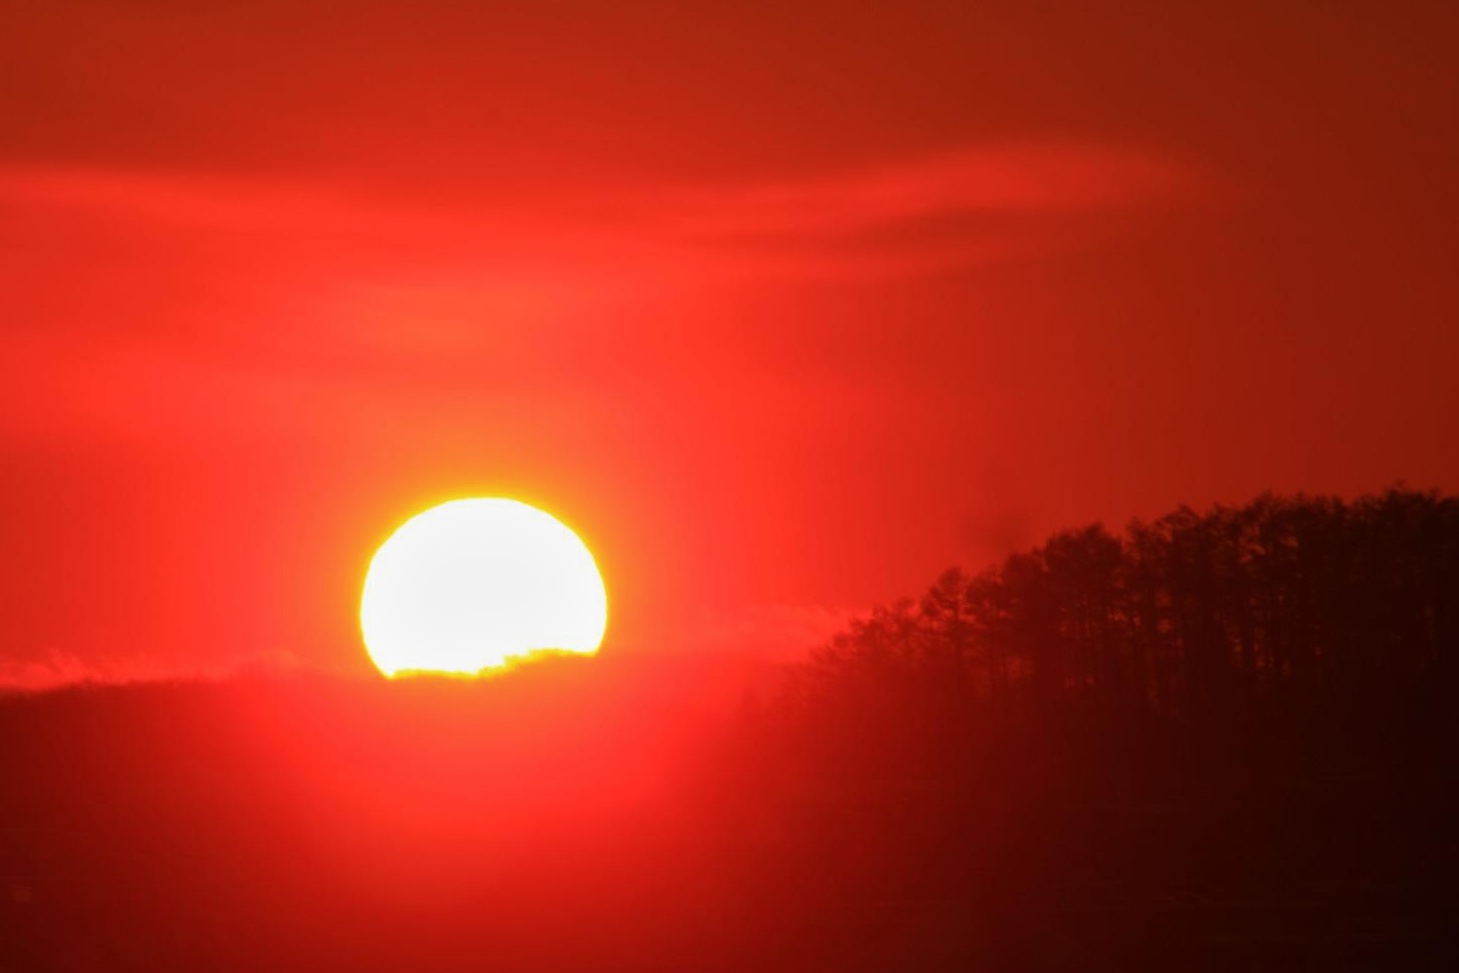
x: 692, y: 229
x: 1029, y: 179
x: 56, y: 668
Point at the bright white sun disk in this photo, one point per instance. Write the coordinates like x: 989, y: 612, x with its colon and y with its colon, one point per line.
x: 471, y: 584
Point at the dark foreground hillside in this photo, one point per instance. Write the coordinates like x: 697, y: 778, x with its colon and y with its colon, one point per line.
x: 1222, y: 741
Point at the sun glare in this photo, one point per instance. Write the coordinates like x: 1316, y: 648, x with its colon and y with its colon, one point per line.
x: 473, y: 584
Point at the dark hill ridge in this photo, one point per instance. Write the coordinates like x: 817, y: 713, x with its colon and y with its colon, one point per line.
x: 1221, y: 741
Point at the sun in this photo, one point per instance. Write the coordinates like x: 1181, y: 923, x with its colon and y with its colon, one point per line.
x: 472, y: 584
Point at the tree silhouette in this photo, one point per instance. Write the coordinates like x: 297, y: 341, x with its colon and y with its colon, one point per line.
x: 1293, y: 599
x: 1250, y: 701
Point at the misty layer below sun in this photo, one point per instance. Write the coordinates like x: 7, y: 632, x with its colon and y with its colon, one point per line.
x: 403, y: 824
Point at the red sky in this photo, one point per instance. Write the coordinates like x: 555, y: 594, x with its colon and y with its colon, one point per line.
x: 783, y: 310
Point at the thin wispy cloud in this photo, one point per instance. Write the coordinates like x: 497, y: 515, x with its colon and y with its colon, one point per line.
x: 1032, y: 180
x: 695, y: 230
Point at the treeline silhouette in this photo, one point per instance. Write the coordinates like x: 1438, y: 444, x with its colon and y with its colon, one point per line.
x: 1219, y: 741
x: 1284, y: 602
